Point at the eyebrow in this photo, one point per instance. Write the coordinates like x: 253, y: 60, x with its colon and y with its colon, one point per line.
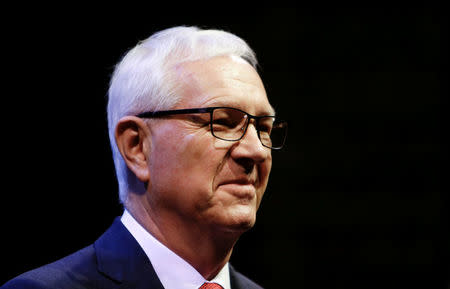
x: 270, y: 111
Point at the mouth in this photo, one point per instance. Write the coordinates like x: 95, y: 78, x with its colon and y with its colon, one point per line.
x: 241, y: 188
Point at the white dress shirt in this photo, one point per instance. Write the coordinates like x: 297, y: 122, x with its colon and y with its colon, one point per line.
x: 172, y: 270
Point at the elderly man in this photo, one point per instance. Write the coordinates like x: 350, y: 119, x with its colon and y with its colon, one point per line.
x: 191, y: 131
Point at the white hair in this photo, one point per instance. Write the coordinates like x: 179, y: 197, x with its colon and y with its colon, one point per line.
x: 143, y: 81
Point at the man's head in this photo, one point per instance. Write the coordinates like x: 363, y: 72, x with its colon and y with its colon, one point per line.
x: 184, y: 170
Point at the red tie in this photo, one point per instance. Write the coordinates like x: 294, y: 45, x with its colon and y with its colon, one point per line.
x: 210, y: 286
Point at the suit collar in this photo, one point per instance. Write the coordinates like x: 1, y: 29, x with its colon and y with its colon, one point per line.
x: 239, y: 281
x: 121, y: 258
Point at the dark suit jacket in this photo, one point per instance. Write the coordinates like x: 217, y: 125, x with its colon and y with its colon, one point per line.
x: 115, y: 260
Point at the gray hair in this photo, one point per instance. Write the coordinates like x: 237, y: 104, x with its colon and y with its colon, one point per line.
x: 142, y: 80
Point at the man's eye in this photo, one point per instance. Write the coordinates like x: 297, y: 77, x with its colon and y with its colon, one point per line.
x: 197, y: 118
x: 265, y: 125
x: 226, y: 122
x: 265, y: 128
x: 222, y: 123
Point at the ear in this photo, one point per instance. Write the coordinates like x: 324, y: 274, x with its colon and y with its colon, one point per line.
x: 132, y: 139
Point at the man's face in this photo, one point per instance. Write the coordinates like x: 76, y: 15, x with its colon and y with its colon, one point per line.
x: 197, y: 178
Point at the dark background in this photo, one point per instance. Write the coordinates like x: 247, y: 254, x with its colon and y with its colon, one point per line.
x: 357, y: 199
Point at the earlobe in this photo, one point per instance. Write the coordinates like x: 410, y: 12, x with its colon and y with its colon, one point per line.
x: 133, y: 142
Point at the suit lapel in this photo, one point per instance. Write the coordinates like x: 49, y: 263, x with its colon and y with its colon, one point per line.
x: 121, y: 258
x: 235, y: 281
x: 239, y: 281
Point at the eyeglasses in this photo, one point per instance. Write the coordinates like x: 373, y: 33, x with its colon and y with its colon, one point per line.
x: 230, y: 124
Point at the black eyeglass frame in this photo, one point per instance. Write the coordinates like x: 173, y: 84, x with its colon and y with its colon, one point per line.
x: 210, y: 110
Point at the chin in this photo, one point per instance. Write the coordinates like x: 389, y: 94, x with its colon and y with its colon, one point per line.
x: 240, y: 219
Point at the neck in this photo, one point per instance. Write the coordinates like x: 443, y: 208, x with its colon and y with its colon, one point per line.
x: 206, y: 249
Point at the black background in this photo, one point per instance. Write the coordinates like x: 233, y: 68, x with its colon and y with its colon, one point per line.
x: 357, y: 199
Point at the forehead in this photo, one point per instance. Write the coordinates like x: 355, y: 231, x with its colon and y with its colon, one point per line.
x: 222, y: 81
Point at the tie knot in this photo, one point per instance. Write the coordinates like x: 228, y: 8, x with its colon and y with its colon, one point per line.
x: 207, y: 285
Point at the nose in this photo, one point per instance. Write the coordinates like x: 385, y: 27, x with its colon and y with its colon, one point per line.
x: 250, y: 148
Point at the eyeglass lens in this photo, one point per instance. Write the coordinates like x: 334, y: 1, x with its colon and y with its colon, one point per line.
x: 231, y: 124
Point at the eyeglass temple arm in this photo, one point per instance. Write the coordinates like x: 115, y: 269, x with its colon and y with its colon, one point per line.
x: 150, y: 114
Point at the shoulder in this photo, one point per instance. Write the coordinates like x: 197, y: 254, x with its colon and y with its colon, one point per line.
x: 73, y: 271
x: 239, y: 281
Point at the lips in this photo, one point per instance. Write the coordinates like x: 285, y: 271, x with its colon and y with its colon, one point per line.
x: 240, y: 181
x: 241, y: 188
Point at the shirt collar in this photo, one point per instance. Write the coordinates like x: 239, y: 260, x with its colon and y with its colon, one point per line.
x: 172, y: 270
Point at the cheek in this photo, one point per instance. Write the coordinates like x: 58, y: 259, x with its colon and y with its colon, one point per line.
x: 263, y: 172
x: 190, y: 161
x: 197, y: 152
